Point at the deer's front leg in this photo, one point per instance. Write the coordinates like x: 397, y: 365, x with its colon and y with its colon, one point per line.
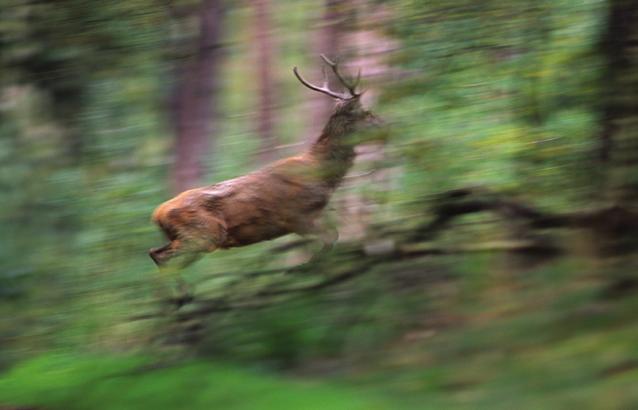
x: 328, y: 236
x: 323, y: 230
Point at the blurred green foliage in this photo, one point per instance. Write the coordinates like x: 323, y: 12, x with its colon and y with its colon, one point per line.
x: 84, y: 382
x: 509, y: 87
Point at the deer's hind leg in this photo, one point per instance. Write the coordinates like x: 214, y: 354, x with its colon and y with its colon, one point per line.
x: 190, y: 234
x: 162, y: 254
x: 189, y: 240
x: 187, y: 252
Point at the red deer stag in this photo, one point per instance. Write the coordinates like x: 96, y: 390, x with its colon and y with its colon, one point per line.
x: 285, y: 197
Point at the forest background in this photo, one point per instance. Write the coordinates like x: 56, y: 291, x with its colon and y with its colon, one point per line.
x: 487, y: 252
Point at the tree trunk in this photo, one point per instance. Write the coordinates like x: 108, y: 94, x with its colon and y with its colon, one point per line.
x: 194, y: 97
x: 264, y: 58
x: 328, y: 42
x: 618, y: 147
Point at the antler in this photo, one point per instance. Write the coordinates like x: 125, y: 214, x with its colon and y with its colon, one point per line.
x: 335, y: 69
x: 351, y: 87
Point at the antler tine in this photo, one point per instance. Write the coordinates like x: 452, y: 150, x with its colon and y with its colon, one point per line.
x: 324, y: 89
x: 328, y: 61
x: 351, y: 87
x: 326, y: 83
x: 358, y: 79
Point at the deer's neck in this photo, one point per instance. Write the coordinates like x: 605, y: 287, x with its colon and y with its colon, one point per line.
x: 334, y: 155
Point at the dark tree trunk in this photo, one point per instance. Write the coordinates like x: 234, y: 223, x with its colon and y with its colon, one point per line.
x: 194, y: 97
x: 618, y: 146
x: 328, y: 42
x: 264, y: 59
x: 332, y: 28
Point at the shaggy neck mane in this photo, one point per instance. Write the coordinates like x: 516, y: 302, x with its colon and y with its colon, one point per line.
x: 332, y: 151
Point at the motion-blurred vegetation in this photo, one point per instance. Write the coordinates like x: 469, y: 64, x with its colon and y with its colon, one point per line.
x: 488, y: 252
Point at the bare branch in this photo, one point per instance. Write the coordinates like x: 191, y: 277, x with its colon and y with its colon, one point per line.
x: 458, y: 202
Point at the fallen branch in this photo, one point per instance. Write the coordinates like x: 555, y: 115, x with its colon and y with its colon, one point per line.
x: 459, y: 202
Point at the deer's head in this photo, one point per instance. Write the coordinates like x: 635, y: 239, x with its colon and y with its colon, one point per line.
x: 349, y: 116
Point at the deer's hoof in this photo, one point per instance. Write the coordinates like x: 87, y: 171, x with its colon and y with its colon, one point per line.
x: 182, y: 300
